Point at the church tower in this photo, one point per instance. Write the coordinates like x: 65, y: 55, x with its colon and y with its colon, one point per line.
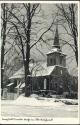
x: 57, y: 59
x: 55, y: 56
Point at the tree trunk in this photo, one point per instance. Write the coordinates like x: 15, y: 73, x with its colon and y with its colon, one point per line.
x: 76, y: 50
x: 27, y: 81
x: 74, y: 32
x: 3, y: 45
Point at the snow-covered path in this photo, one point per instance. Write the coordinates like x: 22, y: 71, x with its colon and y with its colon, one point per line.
x: 37, y: 107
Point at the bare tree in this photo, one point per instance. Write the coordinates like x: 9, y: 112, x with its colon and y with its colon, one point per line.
x: 67, y: 14
x: 23, y: 31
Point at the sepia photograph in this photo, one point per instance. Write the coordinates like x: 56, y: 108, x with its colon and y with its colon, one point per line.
x: 39, y: 60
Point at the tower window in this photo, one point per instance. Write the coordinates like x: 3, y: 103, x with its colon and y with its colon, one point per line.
x: 51, y: 61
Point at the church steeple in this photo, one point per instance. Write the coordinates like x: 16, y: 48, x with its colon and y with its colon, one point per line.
x: 55, y: 56
x: 56, y: 39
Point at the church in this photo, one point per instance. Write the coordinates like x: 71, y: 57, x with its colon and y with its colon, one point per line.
x: 50, y: 77
x: 53, y: 77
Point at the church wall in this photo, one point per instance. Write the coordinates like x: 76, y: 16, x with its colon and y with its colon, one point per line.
x: 59, y: 81
x: 38, y: 83
x: 56, y: 84
x: 59, y: 71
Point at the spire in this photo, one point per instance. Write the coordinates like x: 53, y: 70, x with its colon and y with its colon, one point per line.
x: 56, y: 38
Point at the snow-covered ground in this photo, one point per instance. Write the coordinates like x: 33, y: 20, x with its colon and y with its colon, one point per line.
x: 35, y: 106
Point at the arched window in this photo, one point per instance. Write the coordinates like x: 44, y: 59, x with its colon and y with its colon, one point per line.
x: 45, y: 82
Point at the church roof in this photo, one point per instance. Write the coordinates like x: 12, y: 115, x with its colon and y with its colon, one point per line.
x: 21, y: 85
x: 10, y: 84
x: 45, y: 71
x: 56, y: 46
x: 39, y: 69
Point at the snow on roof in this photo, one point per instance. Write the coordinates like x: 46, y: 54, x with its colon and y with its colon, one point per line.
x: 20, y: 73
x: 21, y: 85
x: 36, y: 69
x: 9, y: 84
x: 44, y: 71
x: 61, y: 66
x: 39, y: 69
x: 18, y: 85
x: 55, y: 50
